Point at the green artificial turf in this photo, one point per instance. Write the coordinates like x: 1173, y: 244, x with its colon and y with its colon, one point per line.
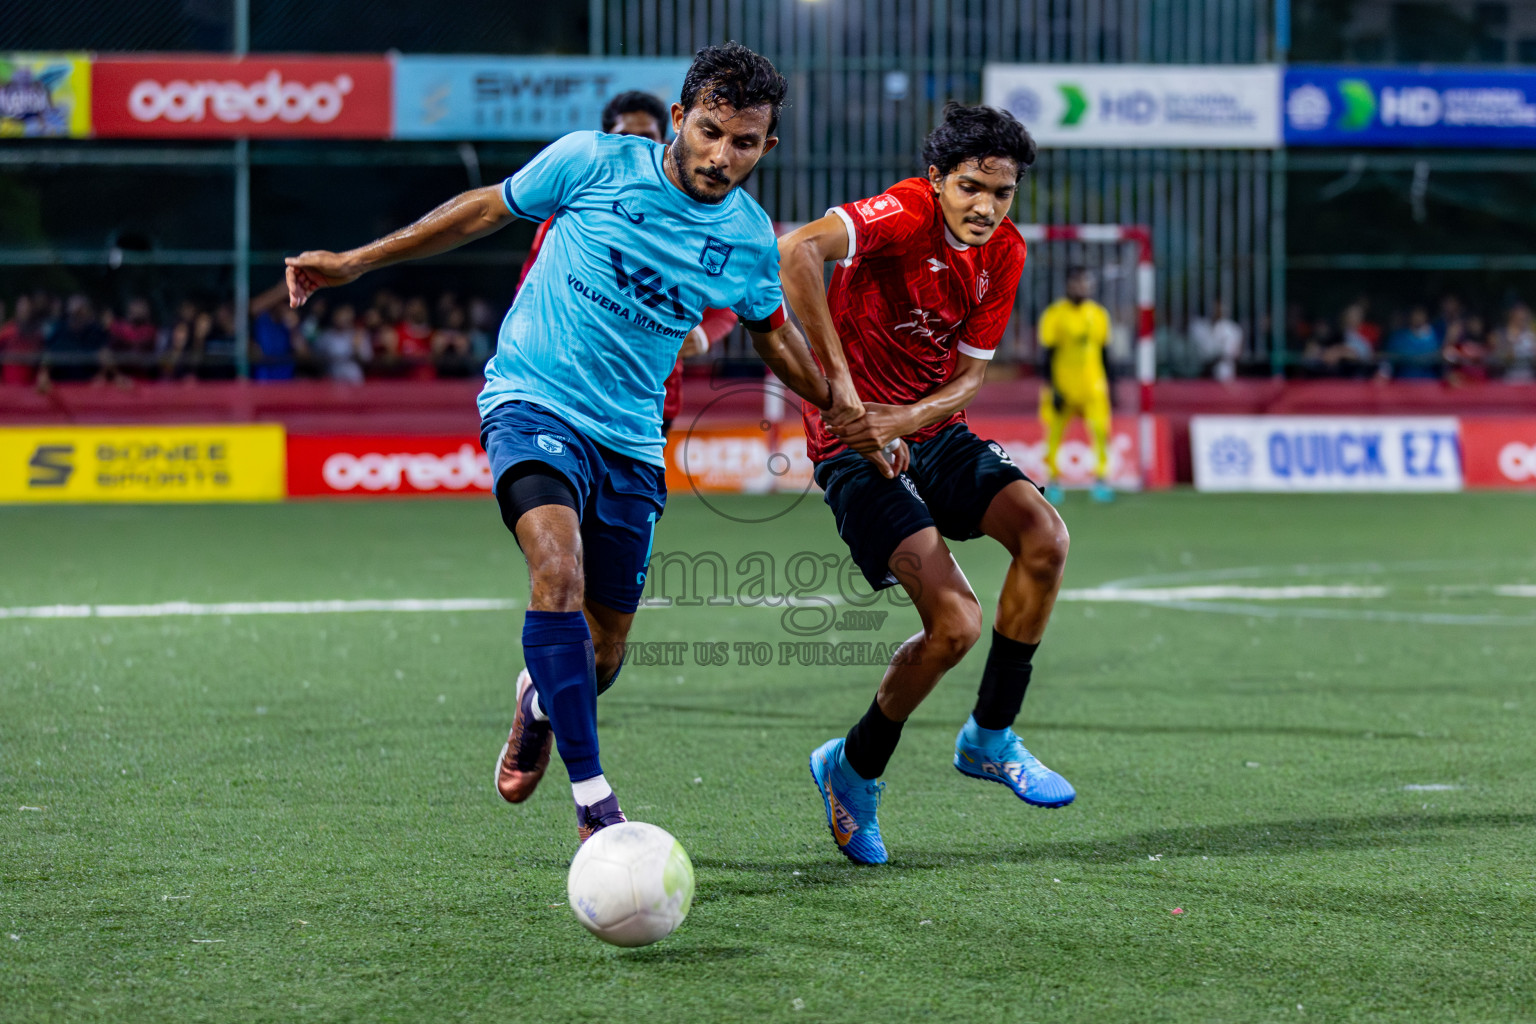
x: 286, y: 818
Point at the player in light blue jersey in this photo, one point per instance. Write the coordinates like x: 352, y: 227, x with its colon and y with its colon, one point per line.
x: 645, y: 237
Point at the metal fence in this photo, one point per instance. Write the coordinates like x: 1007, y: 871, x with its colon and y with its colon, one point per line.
x: 869, y: 79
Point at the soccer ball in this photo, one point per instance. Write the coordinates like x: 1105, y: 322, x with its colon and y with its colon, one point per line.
x: 631, y: 884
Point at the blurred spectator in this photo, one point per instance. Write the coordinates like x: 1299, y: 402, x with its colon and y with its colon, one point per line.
x: 134, y: 337
x: 277, y: 337
x: 217, y: 344
x: 21, y: 344
x: 1356, y: 354
x: 1466, y: 350
x: 408, y: 351
x: 1219, y: 342
x: 1449, y: 320
x: 483, y: 324
x: 1516, y: 346
x: 176, y: 360
x: 343, y: 347
x: 1413, y: 351
x: 1367, y: 328
x: 76, y: 346
x: 450, y: 343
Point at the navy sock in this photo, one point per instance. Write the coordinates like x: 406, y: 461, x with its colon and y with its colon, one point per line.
x: 1003, y: 682
x: 557, y: 647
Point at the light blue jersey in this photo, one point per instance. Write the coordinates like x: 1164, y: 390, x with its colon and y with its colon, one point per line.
x: 626, y: 270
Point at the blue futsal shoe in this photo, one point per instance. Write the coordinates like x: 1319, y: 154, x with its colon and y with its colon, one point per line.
x: 998, y: 755
x: 1102, y: 492
x: 851, y: 804
x: 1054, y: 494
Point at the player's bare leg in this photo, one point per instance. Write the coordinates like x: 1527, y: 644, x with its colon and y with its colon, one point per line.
x: 550, y: 537
x: 847, y: 770
x: 1022, y: 521
x: 559, y: 651
x: 951, y: 617
x: 1026, y: 525
x: 610, y: 634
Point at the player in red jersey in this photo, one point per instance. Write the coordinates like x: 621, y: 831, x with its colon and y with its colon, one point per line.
x: 925, y: 281
x: 640, y: 113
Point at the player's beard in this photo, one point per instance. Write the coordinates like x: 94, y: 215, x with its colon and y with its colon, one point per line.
x: 682, y: 156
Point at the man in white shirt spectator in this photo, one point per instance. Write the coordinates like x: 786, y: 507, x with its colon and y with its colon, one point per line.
x: 1218, y: 341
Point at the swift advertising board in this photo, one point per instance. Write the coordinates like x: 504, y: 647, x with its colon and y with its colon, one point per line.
x: 1348, y: 106
x: 1326, y: 453
x: 142, y: 464
x: 1142, y: 106
x: 533, y: 98
x: 210, y: 97
x: 45, y: 95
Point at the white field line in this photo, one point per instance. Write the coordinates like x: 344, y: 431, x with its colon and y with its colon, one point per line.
x: 1217, y: 592
x: 1173, y: 596
x: 189, y: 608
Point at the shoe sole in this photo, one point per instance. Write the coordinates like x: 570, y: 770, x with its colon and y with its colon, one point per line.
x: 1049, y: 805
x: 826, y: 805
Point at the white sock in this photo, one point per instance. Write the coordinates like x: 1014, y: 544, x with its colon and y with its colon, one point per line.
x: 538, y: 711
x: 589, y: 791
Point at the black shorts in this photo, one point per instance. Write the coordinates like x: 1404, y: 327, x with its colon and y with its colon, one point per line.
x: 953, y: 477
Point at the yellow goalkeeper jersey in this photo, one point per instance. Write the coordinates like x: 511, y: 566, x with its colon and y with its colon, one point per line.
x: 1077, y: 332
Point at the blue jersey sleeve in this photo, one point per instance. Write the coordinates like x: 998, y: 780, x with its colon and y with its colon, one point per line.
x: 549, y: 180
x: 762, y: 307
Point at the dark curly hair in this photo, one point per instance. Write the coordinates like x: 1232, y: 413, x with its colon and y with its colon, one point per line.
x: 977, y: 133
x: 635, y: 102
x: 731, y: 73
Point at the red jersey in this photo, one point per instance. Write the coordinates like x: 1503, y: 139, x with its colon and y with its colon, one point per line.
x: 909, y: 299
x: 717, y: 323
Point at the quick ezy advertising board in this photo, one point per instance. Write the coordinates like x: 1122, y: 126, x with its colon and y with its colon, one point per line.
x: 1326, y: 453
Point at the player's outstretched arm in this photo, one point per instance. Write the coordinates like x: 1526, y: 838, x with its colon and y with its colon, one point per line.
x: 462, y: 219
x: 784, y: 350
x: 802, y: 255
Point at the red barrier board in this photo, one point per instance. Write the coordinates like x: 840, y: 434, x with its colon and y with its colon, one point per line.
x: 1498, y: 452
x: 207, y: 97
x: 361, y: 466
x: 1024, y: 439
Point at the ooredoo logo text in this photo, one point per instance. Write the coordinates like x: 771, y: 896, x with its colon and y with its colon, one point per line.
x: 1518, y: 461
x: 424, y: 471
x: 260, y: 101
x: 292, y: 97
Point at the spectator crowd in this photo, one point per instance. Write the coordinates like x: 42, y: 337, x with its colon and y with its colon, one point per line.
x: 1455, y: 344
x: 47, y: 338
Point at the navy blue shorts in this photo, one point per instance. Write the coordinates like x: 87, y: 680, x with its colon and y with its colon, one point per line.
x: 953, y: 477
x: 619, y: 499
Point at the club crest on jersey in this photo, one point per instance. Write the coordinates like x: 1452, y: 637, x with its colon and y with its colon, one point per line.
x: 713, y: 258
x: 553, y: 445
x: 877, y: 207
x: 983, y: 282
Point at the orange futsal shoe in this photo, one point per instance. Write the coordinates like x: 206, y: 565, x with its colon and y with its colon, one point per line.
x: 526, y: 754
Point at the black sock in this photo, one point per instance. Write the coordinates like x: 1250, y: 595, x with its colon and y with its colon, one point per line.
x: 1003, y: 682
x: 871, y: 742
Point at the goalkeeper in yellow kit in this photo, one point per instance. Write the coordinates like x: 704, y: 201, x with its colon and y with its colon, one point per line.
x: 1074, y: 333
